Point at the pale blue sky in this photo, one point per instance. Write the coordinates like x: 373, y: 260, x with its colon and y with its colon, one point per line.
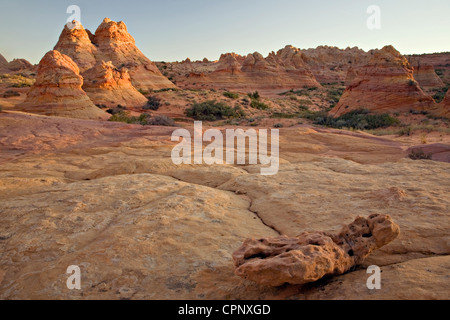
x: 172, y: 30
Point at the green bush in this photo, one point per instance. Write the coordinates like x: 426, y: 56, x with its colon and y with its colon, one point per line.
x: 258, y: 105
x: 11, y: 93
x: 116, y: 110
x: 357, y: 119
x: 161, y: 121
x: 335, y: 95
x: 231, y: 95
x: 419, y: 154
x: 212, y: 111
x: 153, y: 103
x: 144, y: 119
x: 255, y: 95
x: 440, y: 94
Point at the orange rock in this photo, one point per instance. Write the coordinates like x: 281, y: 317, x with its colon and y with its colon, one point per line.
x: 107, y: 85
x: 77, y: 44
x: 331, y: 64
x: 115, y: 44
x: 425, y: 74
x: 278, y: 72
x: 312, y: 256
x: 111, y: 42
x: 385, y: 84
x: 443, y: 109
x: 57, y: 90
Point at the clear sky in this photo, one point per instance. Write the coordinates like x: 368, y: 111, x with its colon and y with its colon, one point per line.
x: 171, y: 30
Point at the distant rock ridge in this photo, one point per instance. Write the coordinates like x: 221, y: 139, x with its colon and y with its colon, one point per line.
x: 385, y: 84
x: 111, y: 42
x: 57, y: 90
x: 278, y: 72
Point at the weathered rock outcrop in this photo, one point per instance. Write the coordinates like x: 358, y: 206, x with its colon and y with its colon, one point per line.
x: 111, y: 42
x: 425, y: 74
x: 57, y: 90
x: 331, y: 64
x: 385, y: 84
x: 278, y: 72
x: 76, y: 43
x: 439, y: 61
x: 443, y: 109
x: 107, y: 85
x: 311, y: 256
x: 3, y: 61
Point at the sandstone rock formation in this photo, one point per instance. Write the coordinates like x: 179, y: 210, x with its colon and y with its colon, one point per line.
x: 385, y: 84
x: 443, y: 109
x: 439, y: 61
x: 311, y: 256
x: 77, y: 192
x: 57, y: 90
x: 20, y: 65
x: 111, y: 42
x: 109, y: 86
x: 76, y: 43
x: 278, y: 72
x: 425, y: 74
x: 331, y: 64
x: 3, y: 61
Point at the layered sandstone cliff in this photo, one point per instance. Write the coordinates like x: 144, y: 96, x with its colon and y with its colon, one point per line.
x: 385, y: 84
x: 276, y: 73
x: 425, y: 74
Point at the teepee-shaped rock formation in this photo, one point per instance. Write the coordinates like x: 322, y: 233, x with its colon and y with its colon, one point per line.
x: 109, y: 86
x: 111, y: 42
x: 385, y: 84
x: 76, y: 43
x: 57, y: 90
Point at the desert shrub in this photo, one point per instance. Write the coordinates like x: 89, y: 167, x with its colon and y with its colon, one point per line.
x: 143, y: 92
x: 117, y: 109
x: 231, y: 95
x: 440, y: 94
x: 21, y: 85
x: 278, y: 125
x: 258, y: 105
x: 161, y: 121
x: 153, y: 103
x: 101, y: 106
x: 11, y: 93
x: 211, y: 111
x: 121, y: 116
x: 357, y: 119
x: 335, y: 95
x: 143, y: 119
x: 254, y: 95
x: 280, y: 115
x: 419, y: 154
